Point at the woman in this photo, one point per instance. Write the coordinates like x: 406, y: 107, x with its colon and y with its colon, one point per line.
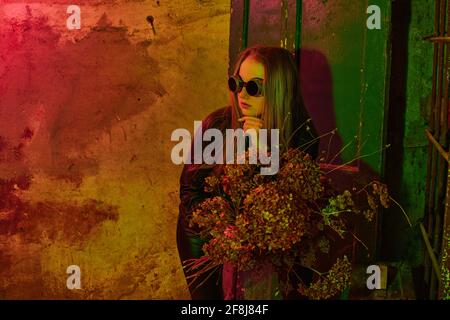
x: 265, y: 93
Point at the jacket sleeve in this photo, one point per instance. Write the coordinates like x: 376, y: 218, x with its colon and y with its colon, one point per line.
x: 192, y: 192
x: 193, y: 175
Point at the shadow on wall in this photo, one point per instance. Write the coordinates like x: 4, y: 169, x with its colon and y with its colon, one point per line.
x: 317, y: 91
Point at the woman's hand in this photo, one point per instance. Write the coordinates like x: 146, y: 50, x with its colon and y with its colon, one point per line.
x: 251, y: 123
x: 254, y: 123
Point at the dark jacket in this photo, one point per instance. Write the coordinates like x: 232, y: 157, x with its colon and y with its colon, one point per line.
x: 192, y: 192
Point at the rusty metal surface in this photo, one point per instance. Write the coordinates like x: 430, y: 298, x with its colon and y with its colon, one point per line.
x: 266, y: 23
x: 236, y: 41
x: 437, y: 187
x: 431, y: 152
x: 436, y: 144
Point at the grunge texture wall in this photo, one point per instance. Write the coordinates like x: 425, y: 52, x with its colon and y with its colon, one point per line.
x: 85, y: 122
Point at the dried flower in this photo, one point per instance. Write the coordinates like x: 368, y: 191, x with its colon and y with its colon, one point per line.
x: 285, y: 218
x: 334, y: 282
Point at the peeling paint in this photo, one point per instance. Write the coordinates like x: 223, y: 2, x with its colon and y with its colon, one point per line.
x: 85, y: 171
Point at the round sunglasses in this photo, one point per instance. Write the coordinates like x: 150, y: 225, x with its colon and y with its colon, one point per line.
x: 254, y: 86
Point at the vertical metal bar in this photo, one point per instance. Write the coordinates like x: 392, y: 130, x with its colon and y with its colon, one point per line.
x: 298, y: 30
x: 284, y: 24
x: 437, y: 204
x: 291, y: 12
x: 444, y: 192
x: 444, y: 108
x: 245, y: 24
x: 430, y: 162
x: 439, y: 133
x: 436, y: 99
x: 435, y: 183
x: 431, y: 115
x: 445, y: 250
x: 235, y: 39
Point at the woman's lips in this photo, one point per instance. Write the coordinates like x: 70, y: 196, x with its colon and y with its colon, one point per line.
x: 245, y: 105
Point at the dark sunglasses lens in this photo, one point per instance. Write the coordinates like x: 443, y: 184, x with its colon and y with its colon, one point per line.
x: 252, y: 88
x: 232, y: 85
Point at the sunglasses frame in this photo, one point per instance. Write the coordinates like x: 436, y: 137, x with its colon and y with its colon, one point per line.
x: 240, y: 84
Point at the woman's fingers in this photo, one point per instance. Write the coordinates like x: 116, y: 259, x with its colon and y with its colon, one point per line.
x: 252, y: 125
x: 251, y: 122
x: 248, y: 118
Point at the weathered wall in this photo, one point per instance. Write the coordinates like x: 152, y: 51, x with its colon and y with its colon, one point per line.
x: 415, y: 143
x: 85, y: 123
x: 343, y: 74
x: 409, y: 112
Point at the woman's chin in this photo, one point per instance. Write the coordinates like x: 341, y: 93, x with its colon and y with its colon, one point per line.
x: 248, y: 112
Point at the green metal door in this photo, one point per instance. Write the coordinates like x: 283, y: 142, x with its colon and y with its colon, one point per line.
x: 343, y: 72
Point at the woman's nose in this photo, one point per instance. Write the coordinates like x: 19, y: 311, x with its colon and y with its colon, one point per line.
x: 243, y: 93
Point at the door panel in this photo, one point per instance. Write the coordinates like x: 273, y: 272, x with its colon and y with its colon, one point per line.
x: 343, y: 75
x: 343, y: 67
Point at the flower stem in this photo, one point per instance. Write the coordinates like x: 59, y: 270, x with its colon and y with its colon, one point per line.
x: 401, y: 208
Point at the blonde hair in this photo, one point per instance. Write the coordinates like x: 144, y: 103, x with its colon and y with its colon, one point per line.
x: 283, y: 104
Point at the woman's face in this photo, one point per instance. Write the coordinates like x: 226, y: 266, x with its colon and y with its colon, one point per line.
x: 250, y: 105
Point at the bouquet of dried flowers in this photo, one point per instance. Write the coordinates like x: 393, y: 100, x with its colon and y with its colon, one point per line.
x: 285, y: 218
